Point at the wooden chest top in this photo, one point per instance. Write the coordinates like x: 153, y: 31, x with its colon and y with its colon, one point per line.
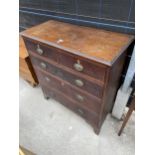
x: 98, y: 45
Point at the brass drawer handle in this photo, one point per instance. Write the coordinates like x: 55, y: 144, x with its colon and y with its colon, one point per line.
x: 39, y: 50
x: 79, y: 83
x: 80, y: 98
x: 43, y: 65
x: 80, y: 112
x: 47, y: 79
x: 78, y: 66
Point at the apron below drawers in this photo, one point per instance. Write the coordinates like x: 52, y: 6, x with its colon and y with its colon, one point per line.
x: 64, y: 58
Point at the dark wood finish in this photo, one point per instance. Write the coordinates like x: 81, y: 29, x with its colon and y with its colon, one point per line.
x: 98, y: 45
x: 101, y: 54
x: 26, y: 70
x: 131, y: 109
x: 89, y: 86
x: 67, y: 59
x: 111, y: 87
x: 83, y: 98
x: 51, y: 53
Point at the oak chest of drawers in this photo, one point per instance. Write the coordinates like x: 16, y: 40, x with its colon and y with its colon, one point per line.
x: 78, y: 66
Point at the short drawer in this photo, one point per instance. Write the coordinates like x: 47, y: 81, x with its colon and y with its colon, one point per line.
x: 84, y: 99
x: 81, y: 65
x: 75, y: 80
x: 71, y: 104
x: 42, y: 50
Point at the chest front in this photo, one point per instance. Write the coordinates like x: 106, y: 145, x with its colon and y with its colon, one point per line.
x: 78, y: 66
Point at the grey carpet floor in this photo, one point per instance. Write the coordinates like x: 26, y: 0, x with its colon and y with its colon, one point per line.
x: 48, y: 128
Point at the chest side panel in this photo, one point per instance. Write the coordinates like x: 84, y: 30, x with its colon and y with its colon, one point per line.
x: 112, y: 82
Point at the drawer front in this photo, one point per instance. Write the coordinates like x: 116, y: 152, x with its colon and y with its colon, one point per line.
x: 90, y: 117
x: 72, y: 61
x: 81, y: 65
x: 90, y: 102
x: 77, y: 81
x: 39, y: 49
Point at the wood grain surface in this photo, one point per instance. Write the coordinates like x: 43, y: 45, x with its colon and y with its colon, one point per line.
x: 99, y: 44
x: 54, y: 49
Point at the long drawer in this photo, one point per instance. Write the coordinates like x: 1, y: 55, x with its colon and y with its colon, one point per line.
x: 74, y: 62
x: 71, y: 104
x: 84, y: 99
x: 75, y: 80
